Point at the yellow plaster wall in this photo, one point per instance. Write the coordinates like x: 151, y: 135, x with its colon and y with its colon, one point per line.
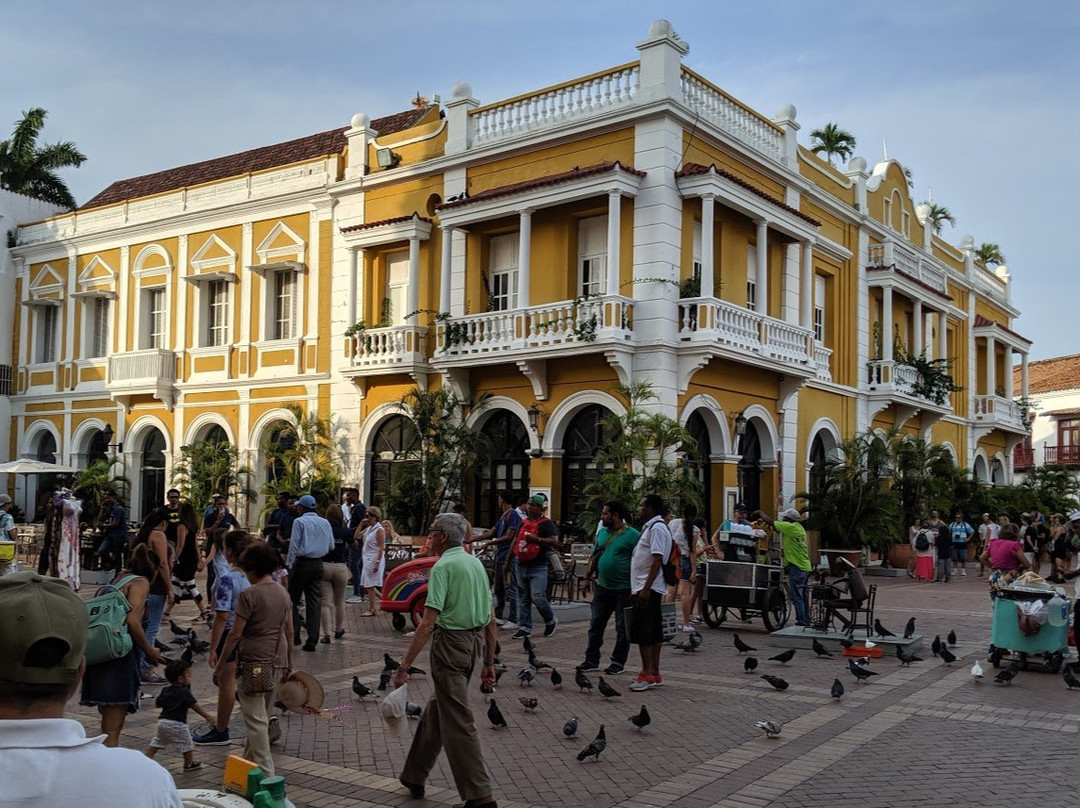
x: 326, y: 297
x: 699, y: 151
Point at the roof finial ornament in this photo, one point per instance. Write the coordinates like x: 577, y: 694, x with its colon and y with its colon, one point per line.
x: 419, y: 102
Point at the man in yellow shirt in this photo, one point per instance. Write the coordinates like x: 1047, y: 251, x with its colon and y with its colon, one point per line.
x: 459, y: 620
x: 796, y: 559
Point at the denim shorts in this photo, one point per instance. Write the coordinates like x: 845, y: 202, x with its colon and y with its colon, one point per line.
x: 684, y: 568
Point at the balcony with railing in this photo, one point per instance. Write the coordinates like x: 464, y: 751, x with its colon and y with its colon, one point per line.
x: 909, y: 262
x: 725, y: 325
x: 379, y: 351
x: 1023, y: 457
x: 147, y: 372
x: 1068, y: 455
x: 1000, y: 413
x: 890, y: 376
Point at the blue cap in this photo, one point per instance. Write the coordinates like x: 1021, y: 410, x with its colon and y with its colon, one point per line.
x: 307, y: 501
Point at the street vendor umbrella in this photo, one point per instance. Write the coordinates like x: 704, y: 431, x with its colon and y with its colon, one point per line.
x: 30, y: 466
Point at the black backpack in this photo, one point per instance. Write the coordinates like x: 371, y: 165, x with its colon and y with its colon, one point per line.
x: 922, y: 544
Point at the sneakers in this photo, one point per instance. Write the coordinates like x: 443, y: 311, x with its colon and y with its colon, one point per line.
x: 499, y: 621
x: 588, y: 667
x: 189, y: 767
x: 274, y: 729
x: 153, y: 680
x: 614, y: 669
x: 310, y: 646
x: 339, y: 634
x: 325, y: 639
x: 509, y: 625
x: 521, y: 633
x: 964, y: 573
x: 689, y: 629
x: 549, y: 628
x: 215, y: 737
x: 642, y: 684
x: 355, y: 599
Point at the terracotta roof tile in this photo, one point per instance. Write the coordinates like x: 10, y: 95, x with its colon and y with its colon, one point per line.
x: 541, y: 182
x: 369, y: 225
x: 983, y: 322
x: 260, y: 159
x: 694, y: 169
x: 1047, y: 375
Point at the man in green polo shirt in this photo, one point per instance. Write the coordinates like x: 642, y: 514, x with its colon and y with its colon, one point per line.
x: 615, y: 542
x: 461, y: 625
x: 796, y: 559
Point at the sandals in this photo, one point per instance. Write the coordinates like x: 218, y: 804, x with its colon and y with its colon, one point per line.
x: 195, y: 764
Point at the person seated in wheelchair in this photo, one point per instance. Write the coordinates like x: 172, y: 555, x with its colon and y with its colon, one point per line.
x: 851, y: 593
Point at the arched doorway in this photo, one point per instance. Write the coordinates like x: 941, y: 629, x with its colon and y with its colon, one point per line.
x: 216, y: 434
x: 505, y: 465
x: 394, y: 444
x: 45, y: 450
x: 98, y: 448
x: 979, y: 470
x: 700, y: 467
x: 37, y: 486
x: 151, y: 473
x: 750, y: 467
x: 818, y: 455
x: 583, y: 439
x: 997, y: 472
x: 280, y: 441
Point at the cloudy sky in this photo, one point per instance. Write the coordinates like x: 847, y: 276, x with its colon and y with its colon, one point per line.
x: 979, y: 99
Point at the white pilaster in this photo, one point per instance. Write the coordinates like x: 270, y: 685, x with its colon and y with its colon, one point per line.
x: 460, y: 127
x: 806, y: 282
x: 123, y: 301
x: 524, y: 258
x: 350, y: 314
x: 414, y: 280
x: 661, y: 63
x: 886, y: 324
x: 918, y: 323
x: 1025, y: 388
x: 445, y: 263
x: 943, y: 335
x: 180, y: 300
x: 862, y: 319
x: 790, y: 286
x: 613, y: 229
x: 245, y: 291
x: 991, y: 366
x: 708, y: 227
x: 762, y: 266
x: 1008, y: 373
x: 66, y: 349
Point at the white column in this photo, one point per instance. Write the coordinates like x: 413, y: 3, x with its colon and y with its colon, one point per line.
x: 414, y: 279
x: 886, y: 324
x: 350, y: 313
x: 524, y: 257
x: 614, y: 209
x: 762, y: 267
x: 806, y: 284
x: 708, y: 263
x: 124, y: 302
x: 943, y: 335
x: 1008, y: 372
x: 245, y: 290
x: 66, y: 349
x: 918, y: 323
x: 991, y: 366
x: 447, y: 234
x: 1024, y: 386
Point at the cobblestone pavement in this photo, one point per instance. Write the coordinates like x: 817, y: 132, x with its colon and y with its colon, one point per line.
x: 926, y: 735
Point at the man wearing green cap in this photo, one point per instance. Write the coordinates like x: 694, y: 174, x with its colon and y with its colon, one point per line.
x: 46, y: 759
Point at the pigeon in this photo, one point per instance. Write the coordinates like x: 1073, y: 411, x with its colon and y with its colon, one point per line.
x: 389, y: 663
x: 976, y: 671
x: 880, y: 630
x: 750, y: 664
x: 863, y: 662
x: 685, y: 646
x: 582, y: 681
x: 906, y: 659
x: 860, y: 673
x: 837, y: 689
x: 1005, y: 677
x: 642, y: 719
x: 499, y: 673
x: 820, y: 649
x: 384, y: 680
x: 569, y: 729
x: 413, y: 710
x: 536, y: 663
x: 846, y: 643
x: 527, y: 645
x: 909, y: 629
x: 606, y: 690
x: 951, y: 638
x: 696, y: 639
x: 947, y: 656
x: 598, y: 745
x: 162, y: 648
x: 529, y: 703
x: 868, y: 643
x: 556, y: 679
x: 935, y: 646
x: 495, y: 715
x: 196, y: 645
x: 775, y: 681
x: 188, y: 655
x: 360, y: 689
x: 769, y: 727
x: 784, y: 657
x: 526, y: 676
x: 740, y: 646
x: 1070, y: 678
x: 175, y: 629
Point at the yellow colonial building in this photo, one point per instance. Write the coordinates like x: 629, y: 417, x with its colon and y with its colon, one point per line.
x: 635, y: 224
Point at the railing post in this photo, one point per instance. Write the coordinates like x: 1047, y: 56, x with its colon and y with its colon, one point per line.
x: 661, y: 62
x: 460, y: 126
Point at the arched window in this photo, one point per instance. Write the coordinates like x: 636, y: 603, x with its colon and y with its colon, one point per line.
x: 152, y: 473
x: 583, y: 439
x: 750, y: 467
x: 216, y: 434
x: 395, y: 443
x: 98, y: 448
x: 505, y: 465
x: 281, y: 439
x: 46, y: 448
x: 997, y: 472
x: 817, y: 464
x: 700, y: 466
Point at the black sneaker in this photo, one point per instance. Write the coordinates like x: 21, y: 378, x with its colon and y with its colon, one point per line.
x: 613, y: 669
x: 587, y: 667
x: 549, y: 628
x: 215, y: 737
x: 274, y: 729
x: 521, y: 634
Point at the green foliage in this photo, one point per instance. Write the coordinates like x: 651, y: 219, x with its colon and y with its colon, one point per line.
x: 935, y: 382
x: 30, y: 169
x: 832, y: 140
x: 989, y: 253
x: 644, y: 453
x: 93, y: 482
x: 356, y: 328
x: 445, y: 451
x: 304, y: 457
x: 938, y: 216
x: 205, y: 468
x: 691, y: 287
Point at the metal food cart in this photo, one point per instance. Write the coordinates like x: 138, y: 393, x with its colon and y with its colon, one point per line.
x: 747, y: 589
x: 1007, y: 642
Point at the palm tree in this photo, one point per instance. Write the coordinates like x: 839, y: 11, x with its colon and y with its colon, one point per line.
x: 938, y: 215
x: 30, y: 169
x: 831, y: 139
x: 989, y: 253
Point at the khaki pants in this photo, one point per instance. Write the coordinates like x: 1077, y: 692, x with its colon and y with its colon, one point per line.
x: 335, y: 577
x: 255, y: 710
x: 447, y: 721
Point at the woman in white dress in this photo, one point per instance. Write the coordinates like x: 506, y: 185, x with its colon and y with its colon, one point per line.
x: 373, y: 558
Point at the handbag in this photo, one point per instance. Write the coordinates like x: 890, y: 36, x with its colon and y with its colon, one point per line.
x: 556, y: 570
x: 107, y: 635
x: 256, y: 677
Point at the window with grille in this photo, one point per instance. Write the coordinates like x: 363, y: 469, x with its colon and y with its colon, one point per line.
x: 284, y: 304
x: 99, y: 323
x: 819, y: 309
x: 503, y: 264
x: 217, y: 309
x: 592, y: 255
x: 47, y: 320
x: 156, y: 318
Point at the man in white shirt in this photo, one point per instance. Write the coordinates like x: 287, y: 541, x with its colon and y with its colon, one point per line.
x: 988, y: 530
x: 46, y: 759
x: 647, y: 587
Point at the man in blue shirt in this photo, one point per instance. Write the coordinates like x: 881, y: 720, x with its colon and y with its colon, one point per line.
x: 502, y: 537
x: 114, y: 532
x: 312, y: 538
x: 960, y: 531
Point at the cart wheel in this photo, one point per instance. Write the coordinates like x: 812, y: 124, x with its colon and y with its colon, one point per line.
x: 416, y: 611
x: 398, y: 621
x: 995, y: 656
x: 775, y: 613
x: 714, y: 615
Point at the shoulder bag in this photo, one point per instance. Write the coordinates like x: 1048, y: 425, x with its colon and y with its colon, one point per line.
x: 257, y: 677
x: 107, y: 636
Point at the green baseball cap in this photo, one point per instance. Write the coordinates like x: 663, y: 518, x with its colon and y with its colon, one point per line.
x: 37, y: 609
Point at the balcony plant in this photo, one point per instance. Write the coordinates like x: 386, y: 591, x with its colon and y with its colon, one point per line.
x: 454, y: 333
x: 934, y: 381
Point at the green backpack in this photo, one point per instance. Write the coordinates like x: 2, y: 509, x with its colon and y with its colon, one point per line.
x: 107, y: 636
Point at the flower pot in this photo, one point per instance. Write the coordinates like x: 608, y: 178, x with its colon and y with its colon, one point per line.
x: 900, y: 555
x: 836, y: 567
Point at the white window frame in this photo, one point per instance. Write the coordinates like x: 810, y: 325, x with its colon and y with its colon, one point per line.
x: 46, y: 322
x: 396, y: 260
x: 284, y: 289
x: 97, y: 312
x: 751, y: 278
x: 155, y: 331
x: 819, y: 309
x: 503, y: 274
x: 216, y: 333
x: 592, y: 256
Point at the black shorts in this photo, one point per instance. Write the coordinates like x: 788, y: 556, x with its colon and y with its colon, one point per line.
x: 645, y: 626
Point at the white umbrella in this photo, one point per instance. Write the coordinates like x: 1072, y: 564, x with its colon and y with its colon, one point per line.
x: 29, y: 466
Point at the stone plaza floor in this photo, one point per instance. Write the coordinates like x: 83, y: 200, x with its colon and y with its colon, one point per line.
x: 926, y: 735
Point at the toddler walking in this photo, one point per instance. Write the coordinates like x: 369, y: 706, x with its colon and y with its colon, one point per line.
x: 175, y: 700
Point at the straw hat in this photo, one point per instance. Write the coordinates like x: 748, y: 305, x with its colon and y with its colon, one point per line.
x: 301, y: 693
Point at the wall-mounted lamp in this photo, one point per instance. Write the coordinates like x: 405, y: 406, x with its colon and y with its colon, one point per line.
x: 534, y: 418
x: 740, y: 424
x: 107, y: 433
x: 387, y: 158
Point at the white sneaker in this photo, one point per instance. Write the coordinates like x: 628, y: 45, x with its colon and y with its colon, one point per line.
x: 508, y: 626
x: 964, y: 573
x: 355, y: 599
x: 687, y: 629
x: 499, y: 621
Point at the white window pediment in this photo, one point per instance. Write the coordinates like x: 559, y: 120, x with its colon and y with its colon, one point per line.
x: 214, y: 260
x: 281, y: 245
x: 152, y: 260
x: 98, y: 279
x: 46, y: 288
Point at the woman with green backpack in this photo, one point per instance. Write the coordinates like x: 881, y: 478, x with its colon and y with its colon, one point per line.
x: 112, y: 684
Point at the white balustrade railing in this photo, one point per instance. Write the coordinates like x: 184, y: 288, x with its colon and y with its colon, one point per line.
x: 910, y: 262
x: 395, y: 346
x: 723, y: 111
x: 990, y: 284
x: 153, y: 366
x: 891, y: 375
x: 573, y: 100
x: 999, y: 409
x: 823, y: 362
x: 739, y: 328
